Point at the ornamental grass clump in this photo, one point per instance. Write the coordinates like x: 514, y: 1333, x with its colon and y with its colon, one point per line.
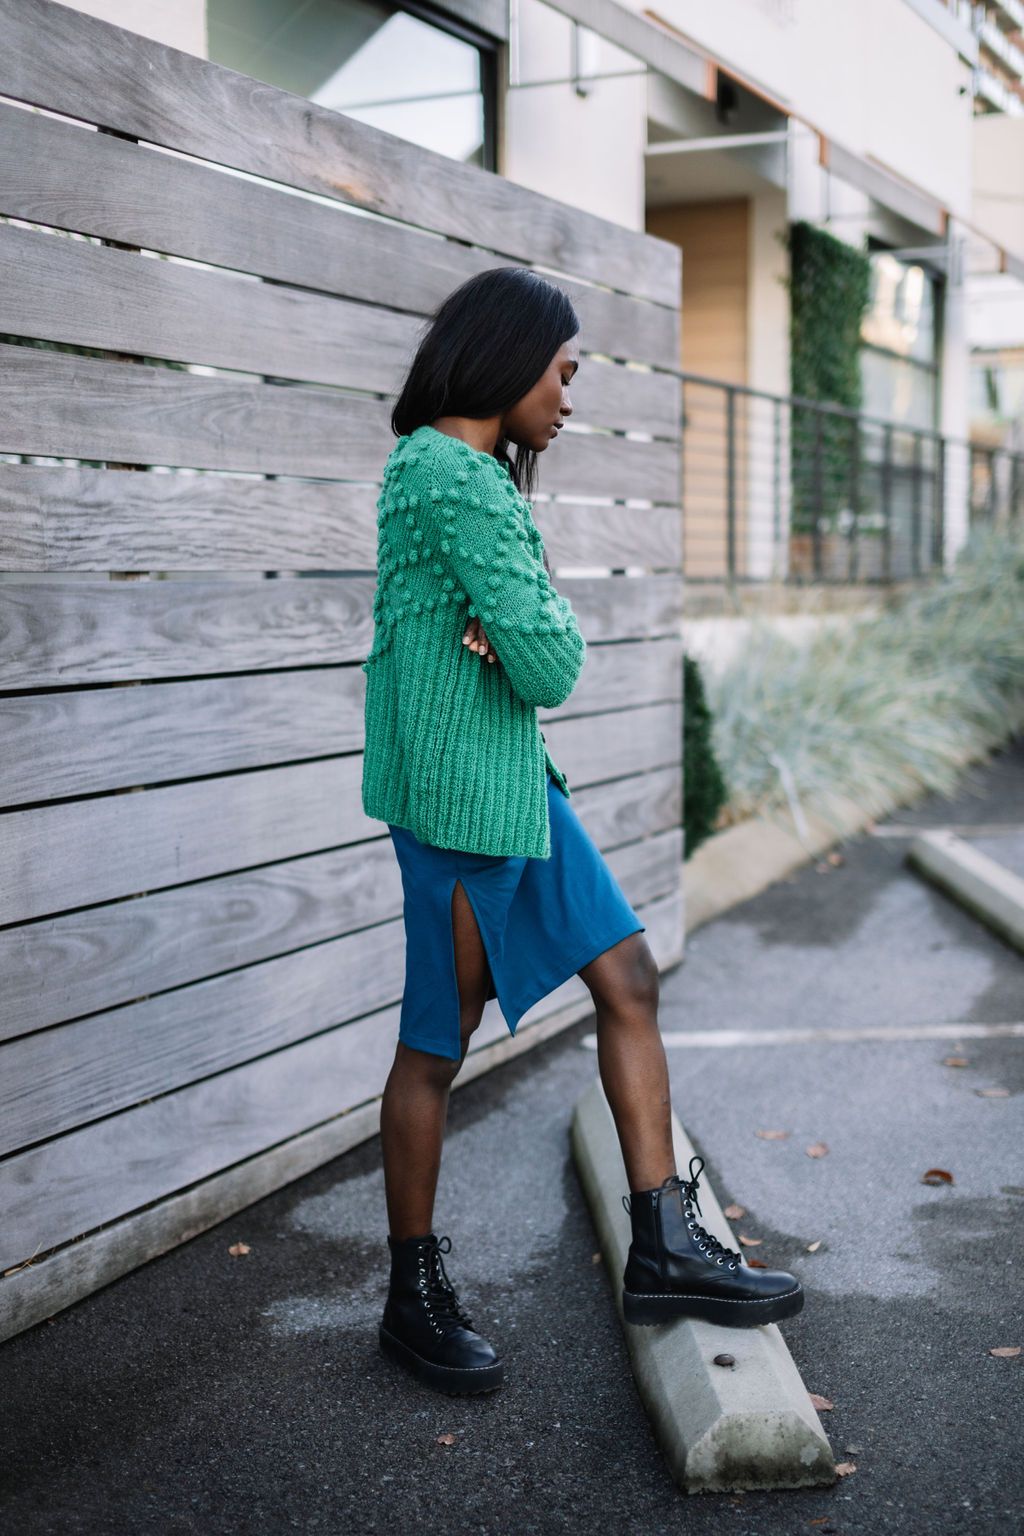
x: 885, y: 708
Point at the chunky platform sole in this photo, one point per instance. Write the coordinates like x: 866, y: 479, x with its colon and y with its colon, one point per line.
x: 444, y: 1378
x: 646, y: 1308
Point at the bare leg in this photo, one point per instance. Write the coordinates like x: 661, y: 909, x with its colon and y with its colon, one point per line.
x: 414, y: 1108
x: 625, y: 986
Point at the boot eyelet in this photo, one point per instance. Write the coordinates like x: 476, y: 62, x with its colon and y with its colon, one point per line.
x: 719, y: 1261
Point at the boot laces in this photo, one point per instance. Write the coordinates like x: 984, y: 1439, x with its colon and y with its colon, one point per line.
x: 439, y: 1295
x: 715, y: 1251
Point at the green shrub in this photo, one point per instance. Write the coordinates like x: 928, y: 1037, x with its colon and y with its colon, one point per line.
x: 704, y: 791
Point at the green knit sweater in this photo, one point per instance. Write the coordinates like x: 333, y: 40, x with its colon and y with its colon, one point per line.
x: 453, y: 749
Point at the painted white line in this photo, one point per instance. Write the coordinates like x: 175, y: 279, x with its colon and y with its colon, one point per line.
x: 725, y: 1039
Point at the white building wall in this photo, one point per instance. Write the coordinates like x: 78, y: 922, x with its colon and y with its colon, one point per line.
x: 179, y: 23
x: 588, y: 150
x: 874, y: 75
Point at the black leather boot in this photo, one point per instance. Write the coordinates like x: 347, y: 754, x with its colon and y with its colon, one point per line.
x: 676, y: 1269
x: 424, y: 1326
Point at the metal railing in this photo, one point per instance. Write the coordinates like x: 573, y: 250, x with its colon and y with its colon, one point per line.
x: 775, y: 487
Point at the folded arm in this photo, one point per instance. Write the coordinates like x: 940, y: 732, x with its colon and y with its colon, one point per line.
x: 489, y: 550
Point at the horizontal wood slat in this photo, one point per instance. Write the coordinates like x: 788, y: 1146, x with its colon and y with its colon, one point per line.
x: 58, y: 1079
x: 76, y: 518
x: 56, y: 857
x: 105, y: 955
x: 60, y: 634
x: 177, y: 207
x: 63, y: 744
x: 71, y: 63
x: 60, y: 1189
x: 201, y: 932
x: 77, y: 293
x: 62, y: 405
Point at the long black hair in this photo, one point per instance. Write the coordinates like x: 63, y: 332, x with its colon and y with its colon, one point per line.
x: 486, y: 346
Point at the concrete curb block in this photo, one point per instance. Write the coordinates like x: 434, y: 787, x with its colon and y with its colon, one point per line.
x: 985, y: 887
x: 722, y: 1429
x: 734, y: 865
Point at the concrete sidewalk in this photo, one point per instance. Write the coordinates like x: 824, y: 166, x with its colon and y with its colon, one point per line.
x: 218, y: 1394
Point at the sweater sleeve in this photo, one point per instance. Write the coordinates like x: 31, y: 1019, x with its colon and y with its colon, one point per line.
x: 486, y: 542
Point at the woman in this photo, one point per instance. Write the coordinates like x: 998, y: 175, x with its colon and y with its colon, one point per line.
x: 506, y: 894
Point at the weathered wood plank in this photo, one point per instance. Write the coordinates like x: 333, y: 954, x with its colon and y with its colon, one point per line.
x: 609, y: 746
x: 62, y: 744
x: 77, y: 518
x: 68, y: 406
x: 57, y: 634
x: 60, y: 1189
x: 55, y: 1080
x: 60, y: 404
x: 68, y: 855
x: 71, y: 63
x: 182, y: 208
x: 105, y: 955
x: 34, y: 1291
x: 77, y: 293
x: 176, y: 833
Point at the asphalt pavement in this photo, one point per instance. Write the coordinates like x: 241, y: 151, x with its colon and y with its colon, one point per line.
x: 213, y: 1393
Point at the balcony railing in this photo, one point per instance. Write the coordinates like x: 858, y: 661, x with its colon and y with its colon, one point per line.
x: 780, y: 488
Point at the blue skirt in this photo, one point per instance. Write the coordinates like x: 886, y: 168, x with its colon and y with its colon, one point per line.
x: 541, y: 921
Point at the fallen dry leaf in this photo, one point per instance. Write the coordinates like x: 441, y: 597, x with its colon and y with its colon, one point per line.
x: 448, y: 1439
x: 823, y: 1404
x: 992, y: 1093
x: 735, y: 1212
x: 756, y: 1264
x: 595, y: 1258
x: 1006, y: 1351
x: 751, y: 1242
x: 773, y: 1135
x: 955, y: 1061
x: 844, y: 1468
x: 813, y: 1247
x: 937, y: 1176
x: 239, y: 1248
x: 817, y: 1149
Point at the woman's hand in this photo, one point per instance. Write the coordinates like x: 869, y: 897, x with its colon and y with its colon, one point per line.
x: 475, y: 637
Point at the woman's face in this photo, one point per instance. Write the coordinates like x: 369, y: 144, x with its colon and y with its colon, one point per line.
x: 535, y: 420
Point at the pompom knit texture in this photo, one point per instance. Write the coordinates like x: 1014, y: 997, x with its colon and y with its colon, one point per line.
x: 454, y: 751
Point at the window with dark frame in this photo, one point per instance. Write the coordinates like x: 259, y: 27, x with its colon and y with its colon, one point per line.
x: 409, y: 69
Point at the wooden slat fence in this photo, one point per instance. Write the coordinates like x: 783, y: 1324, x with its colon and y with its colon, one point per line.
x: 201, y: 945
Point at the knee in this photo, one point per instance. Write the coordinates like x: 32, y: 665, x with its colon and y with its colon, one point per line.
x: 635, y: 987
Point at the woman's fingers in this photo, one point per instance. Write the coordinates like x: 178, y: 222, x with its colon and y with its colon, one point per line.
x: 476, y: 638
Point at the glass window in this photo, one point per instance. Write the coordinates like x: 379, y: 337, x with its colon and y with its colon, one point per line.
x: 899, y: 359
x: 393, y: 67
x: 901, y: 310
x: 896, y: 389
